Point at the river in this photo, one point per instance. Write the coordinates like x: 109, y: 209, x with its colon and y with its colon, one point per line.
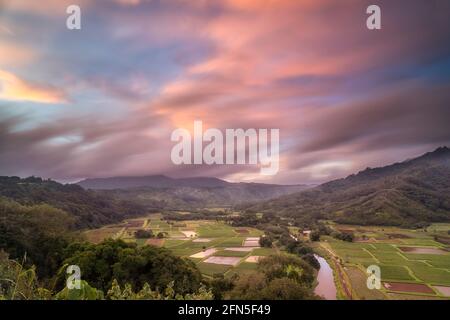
x: 326, y: 287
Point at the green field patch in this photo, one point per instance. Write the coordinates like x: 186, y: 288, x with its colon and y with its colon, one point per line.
x: 154, y: 222
x: 439, y: 227
x: 175, y: 233
x: 254, y: 232
x: 395, y: 273
x: 196, y: 245
x: 388, y: 257
x: 231, y: 242
x: 358, y: 280
x: 438, y: 261
x: 247, y: 266
x: 183, y: 251
x: 263, y: 251
x: 211, y: 269
x: 342, y: 245
x: 141, y: 242
x: 421, y: 242
x: 215, y: 230
x: 228, y: 253
x: 169, y: 243
x: 243, y: 268
x: 431, y: 275
x: 384, y: 247
x: 349, y: 254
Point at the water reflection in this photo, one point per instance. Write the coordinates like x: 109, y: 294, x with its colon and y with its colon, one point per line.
x: 326, y: 287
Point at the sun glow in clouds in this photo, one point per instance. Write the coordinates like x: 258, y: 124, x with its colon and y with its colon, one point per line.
x: 14, y: 88
x: 235, y: 147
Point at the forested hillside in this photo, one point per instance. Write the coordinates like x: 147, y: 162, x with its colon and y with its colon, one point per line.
x: 88, y: 208
x: 409, y: 193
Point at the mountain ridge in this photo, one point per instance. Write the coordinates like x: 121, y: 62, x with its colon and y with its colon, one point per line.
x: 405, y: 193
x: 162, y: 181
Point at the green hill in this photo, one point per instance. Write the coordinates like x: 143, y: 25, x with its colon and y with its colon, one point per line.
x: 412, y: 192
x: 88, y: 208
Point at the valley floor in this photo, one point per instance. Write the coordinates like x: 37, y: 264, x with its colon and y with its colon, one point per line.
x: 215, y: 247
x: 414, y: 264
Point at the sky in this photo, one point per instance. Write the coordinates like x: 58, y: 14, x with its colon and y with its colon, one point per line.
x: 103, y: 101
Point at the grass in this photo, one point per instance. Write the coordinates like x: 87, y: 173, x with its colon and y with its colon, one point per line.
x: 354, y: 253
x: 421, y: 242
x: 215, y: 230
x: 429, y: 269
x: 388, y: 257
x: 395, y: 273
x: 438, y: 261
x: 263, y: 252
x: 231, y: 242
x: 243, y: 268
x: 228, y: 253
x: 439, y: 227
x: 358, y: 282
x: 210, y: 268
x: 141, y: 242
x: 169, y: 243
x: 432, y: 275
x: 221, y: 236
x: 184, y: 252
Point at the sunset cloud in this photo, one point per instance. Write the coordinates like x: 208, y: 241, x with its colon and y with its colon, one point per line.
x: 343, y: 97
x: 17, y: 89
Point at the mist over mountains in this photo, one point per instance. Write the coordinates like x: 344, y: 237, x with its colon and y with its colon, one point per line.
x: 159, y: 191
x: 154, y: 181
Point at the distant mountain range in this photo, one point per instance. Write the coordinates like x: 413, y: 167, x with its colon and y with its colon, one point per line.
x: 155, y: 181
x: 410, y: 193
x: 159, y: 191
x: 407, y: 193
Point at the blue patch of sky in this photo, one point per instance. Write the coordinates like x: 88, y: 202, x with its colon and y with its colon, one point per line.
x: 93, y: 53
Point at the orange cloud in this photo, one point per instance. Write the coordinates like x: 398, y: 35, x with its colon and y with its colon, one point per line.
x: 14, y: 54
x: 17, y: 89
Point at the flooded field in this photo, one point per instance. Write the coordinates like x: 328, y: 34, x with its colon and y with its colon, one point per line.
x: 443, y: 290
x: 423, y: 250
x: 232, y: 261
x: 408, y: 287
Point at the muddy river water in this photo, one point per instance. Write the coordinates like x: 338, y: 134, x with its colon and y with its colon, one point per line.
x: 326, y: 287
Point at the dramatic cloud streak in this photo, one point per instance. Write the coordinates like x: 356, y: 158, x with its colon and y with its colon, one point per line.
x: 14, y: 88
x: 103, y: 101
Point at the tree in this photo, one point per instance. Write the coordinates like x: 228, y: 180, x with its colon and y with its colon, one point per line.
x: 220, y: 285
x: 286, y: 289
x: 101, y: 263
x: 143, y: 234
x: 38, y: 232
x: 160, y: 235
x: 86, y: 292
x: 248, y: 287
x: 314, y: 235
x: 265, y: 242
x: 284, y: 265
